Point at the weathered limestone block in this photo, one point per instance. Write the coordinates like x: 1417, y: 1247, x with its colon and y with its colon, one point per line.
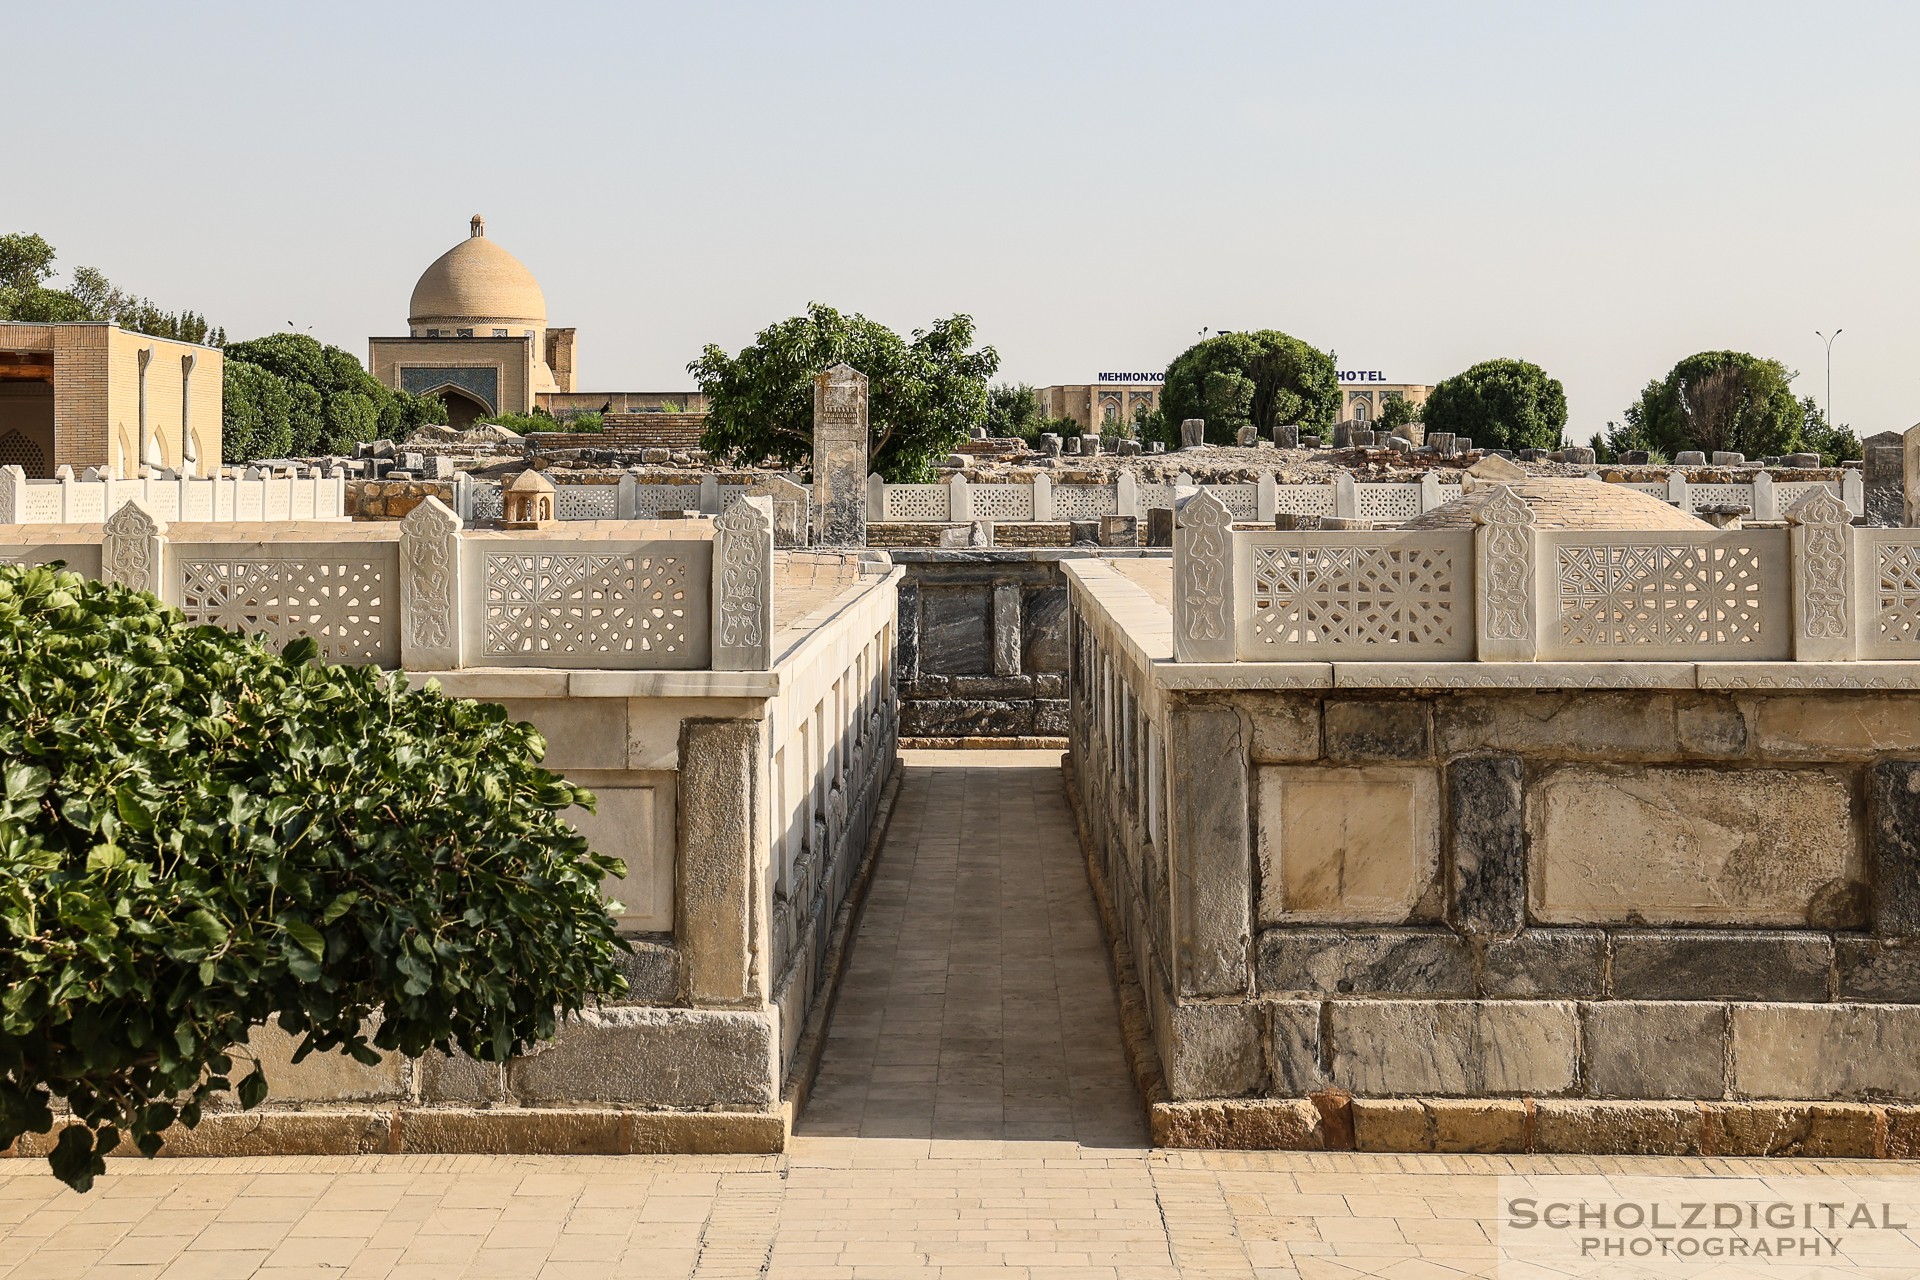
x: 457, y: 1078
x: 504, y: 1130
x: 321, y: 1077
x: 1285, y: 728
x: 956, y: 630
x: 1827, y: 1052
x: 1666, y: 845
x: 1293, y: 1047
x: 1712, y: 727
x: 1212, y: 864
x: 581, y: 733
x: 1484, y: 1126
x: 1215, y: 1050
x: 1365, y: 962
x: 1378, y: 730
x: 1830, y: 1131
x: 720, y: 822
x: 1545, y: 962
x: 1647, y: 1049
x: 1617, y: 1128
x: 1829, y: 725
x: 1350, y: 845
x: 1893, y: 834
x: 1045, y: 626
x: 1590, y: 726
x: 1873, y: 970
x: 636, y: 1056
x: 1275, y: 1124
x: 1454, y: 1047
x: 1716, y: 964
x: 1487, y: 824
x: 840, y: 445
x: 1007, y: 633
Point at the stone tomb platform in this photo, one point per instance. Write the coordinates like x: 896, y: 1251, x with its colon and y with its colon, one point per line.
x: 1665, y: 907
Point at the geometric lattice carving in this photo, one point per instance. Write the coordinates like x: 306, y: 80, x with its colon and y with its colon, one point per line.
x: 1655, y: 593
x: 346, y: 602
x: 916, y: 502
x: 1091, y: 501
x: 1242, y: 500
x: 1002, y: 501
x: 581, y: 603
x: 1388, y: 501
x: 1897, y: 579
x: 586, y: 502
x: 649, y: 500
x: 1404, y: 595
x: 1720, y: 495
x: 486, y: 502
x: 1317, y: 499
x: 18, y: 451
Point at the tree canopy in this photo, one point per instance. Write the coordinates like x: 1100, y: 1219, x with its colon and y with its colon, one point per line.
x: 289, y: 395
x: 198, y: 835
x: 1260, y: 379
x: 1716, y: 400
x: 925, y: 393
x: 1500, y: 404
x: 26, y: 267
x: 1013, y: 410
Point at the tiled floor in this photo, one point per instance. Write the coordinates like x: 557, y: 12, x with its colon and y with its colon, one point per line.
x: 974, y: 1119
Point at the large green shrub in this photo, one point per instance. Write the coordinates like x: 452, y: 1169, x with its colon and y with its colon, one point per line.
x: 335, y: 403
x: 1715, y: 400
x: 1500, y: 404
x: 198, y: 834
x: 1261, y: 379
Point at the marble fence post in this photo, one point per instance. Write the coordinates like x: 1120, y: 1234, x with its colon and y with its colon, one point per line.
x: 840, y: 456
x: 1910, y: 477
x: 133, y: 549
x: 1821, y: 541
x: 1203, y: 606
x: 1506, y: 603
x: 743, y: 585
x: 431, y: 630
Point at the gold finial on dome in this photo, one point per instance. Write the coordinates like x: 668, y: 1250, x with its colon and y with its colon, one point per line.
x: 476, y: 228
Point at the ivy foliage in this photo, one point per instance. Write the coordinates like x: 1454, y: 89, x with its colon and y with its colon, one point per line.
x: 1500, y: 404
x: 198, y: 835
x: 1261, y: 379
x: 925, y: 393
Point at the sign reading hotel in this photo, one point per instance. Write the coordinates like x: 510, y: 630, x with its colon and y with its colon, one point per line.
x: 1361, y: 375
x: 1130, y: 377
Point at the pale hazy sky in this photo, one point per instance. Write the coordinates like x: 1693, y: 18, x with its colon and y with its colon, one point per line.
x: 1600, y: 188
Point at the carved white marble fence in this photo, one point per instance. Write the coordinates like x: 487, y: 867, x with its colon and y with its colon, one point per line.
x: 1506, y: 591
x: 428, y: 594
x: 960, y: 500
x: 248, y: 495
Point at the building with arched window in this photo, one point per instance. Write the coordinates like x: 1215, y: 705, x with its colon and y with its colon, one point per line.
x: 1364, y: 394
x: 477, y: 335
x: 96, y: 395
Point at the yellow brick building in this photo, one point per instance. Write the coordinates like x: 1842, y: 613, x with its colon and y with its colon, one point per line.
x: 95, y: 395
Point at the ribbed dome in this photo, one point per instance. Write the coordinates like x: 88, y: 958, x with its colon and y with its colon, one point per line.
x: 477, y: 281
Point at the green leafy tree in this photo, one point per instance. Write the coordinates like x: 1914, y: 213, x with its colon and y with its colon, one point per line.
x: 1716, y: 400
x: 1013, y: 410
x: 1500, y: 404
x: 256, y: 413
x: 1261, y: 379
x: 925, y: 393
x: 335, y: 402
x: 308, y: 415
x: 198, y: 835
x: 1835, y: 443
x: 26, y: 265
x: 1398, y: 412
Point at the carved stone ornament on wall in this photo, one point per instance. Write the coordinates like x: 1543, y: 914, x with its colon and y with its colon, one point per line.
x: 130, y: 549
x: 1205, y: 571
x: 746, y: 533
x: 430, y: 550
x: 1507, y: 606
x: 1826, y: 570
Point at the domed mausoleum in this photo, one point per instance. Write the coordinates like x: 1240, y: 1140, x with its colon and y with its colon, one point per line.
x: 477, y: 335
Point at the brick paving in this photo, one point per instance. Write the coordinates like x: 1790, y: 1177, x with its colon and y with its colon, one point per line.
x: 973, y: 1119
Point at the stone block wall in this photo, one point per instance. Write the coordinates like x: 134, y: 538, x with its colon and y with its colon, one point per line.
x: 393, y: 499
x: 1698, y: 903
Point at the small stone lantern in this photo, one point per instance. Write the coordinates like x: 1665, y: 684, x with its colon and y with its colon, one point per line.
x: 527, y: 503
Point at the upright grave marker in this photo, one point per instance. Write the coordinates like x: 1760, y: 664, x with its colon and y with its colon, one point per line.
x: 840, y: 456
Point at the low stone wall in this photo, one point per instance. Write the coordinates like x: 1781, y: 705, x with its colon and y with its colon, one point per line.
x: 393, y: 499
x: 1639, y: 918
x: 983, y: 642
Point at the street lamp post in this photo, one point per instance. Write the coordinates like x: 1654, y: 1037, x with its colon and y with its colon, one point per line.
x: 1829, y: 342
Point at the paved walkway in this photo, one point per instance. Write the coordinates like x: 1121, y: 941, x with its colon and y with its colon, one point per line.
x: 973, y: 1119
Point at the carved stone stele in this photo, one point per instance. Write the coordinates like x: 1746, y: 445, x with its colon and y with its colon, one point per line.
x: 1203, y: 613
x: 430, y: 635
x: 1505, y: 610
x: 132, y: 548
x: 743, y: 586
x: 1822, y: 546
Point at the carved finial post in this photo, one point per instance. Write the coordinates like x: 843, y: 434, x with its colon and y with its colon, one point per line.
x: 743, y: 586
x: 430, y: 614
x: 1505, y: 593
x: 13, y: 493
x: 133, y: 549
x: 1821, y: 540
x: 1203, y: 581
